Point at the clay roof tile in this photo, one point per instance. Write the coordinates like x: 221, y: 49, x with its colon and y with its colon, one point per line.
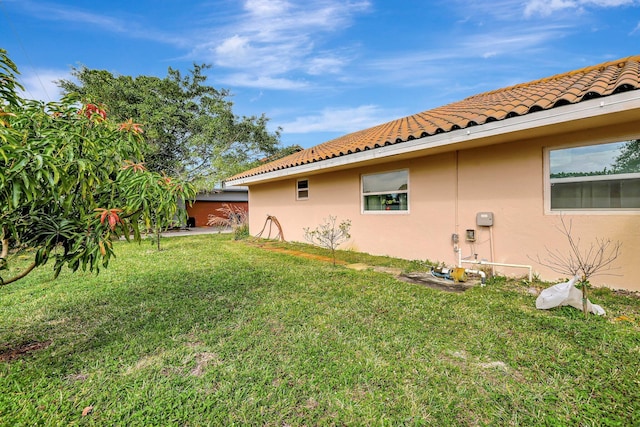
x: 526, y: 98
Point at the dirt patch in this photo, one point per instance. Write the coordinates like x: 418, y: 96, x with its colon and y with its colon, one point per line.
x: 419, y: 278
x: 299, y: 254
x: 7, y: 355
x: 626, y: 293
x: 77, y: 377
x: 305, y: 255
x: 202, y: 361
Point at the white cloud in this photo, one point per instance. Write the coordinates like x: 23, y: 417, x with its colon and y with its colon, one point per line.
x: 262, y: 82
x: 41, y: 84
x: 342, y: 120
x: 547, y: 7
x: 75, y: 16
x: 275, y: 39
x: 266, y: 8
x: 271, y: 21
x: 232, y: 50
x: 480, y: 53
x: 509, y: 40
x: 585, y: 159
x: 55, y: 12
x: 480, y: 12
x: 276, y: 42
x: 609, y: 3
x: 326, y: 65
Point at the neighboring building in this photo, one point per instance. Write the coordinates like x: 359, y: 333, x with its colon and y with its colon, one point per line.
x: 208, y: 203
x: 496, y: 171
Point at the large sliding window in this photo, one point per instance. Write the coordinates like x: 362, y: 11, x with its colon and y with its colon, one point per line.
x: 595, y: 177
x: 384, y: 192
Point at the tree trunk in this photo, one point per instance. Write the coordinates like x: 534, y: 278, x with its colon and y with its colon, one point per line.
x: 584, y: 296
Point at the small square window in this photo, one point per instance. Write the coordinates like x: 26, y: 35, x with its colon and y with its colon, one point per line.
x: 302, y: 189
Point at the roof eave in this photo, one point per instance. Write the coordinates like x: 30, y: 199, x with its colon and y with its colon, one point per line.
x: 534, y: 124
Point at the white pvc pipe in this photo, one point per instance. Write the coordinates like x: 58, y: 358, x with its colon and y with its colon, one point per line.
x: 493, y: 252
x: 482, y: 274
x: 501, y: 265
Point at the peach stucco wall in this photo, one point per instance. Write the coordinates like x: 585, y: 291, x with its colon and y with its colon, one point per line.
x: 446, y: 191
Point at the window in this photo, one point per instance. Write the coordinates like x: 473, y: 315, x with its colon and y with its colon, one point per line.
x: 302, y: 189
x: 388, y: 191
x: 595, y: 177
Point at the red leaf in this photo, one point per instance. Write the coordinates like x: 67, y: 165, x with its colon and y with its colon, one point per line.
x: 90, y: 109
x: 86, y: 411
x: 102, y: 213
x: 113, y: 220
x: 131, y: 127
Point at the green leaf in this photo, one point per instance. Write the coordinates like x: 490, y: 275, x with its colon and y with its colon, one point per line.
x: 18, y: 166
x: 16, y: 193
x: 59, y: 169
x: 39, y: 161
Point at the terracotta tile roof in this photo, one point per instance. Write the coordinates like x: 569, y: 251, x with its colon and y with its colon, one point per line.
x: 568, y: 88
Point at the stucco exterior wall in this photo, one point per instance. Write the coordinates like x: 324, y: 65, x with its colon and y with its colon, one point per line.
x: 446, y: 191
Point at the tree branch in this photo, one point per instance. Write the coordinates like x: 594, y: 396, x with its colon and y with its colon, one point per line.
x: 19, y: 276
x: 592, y: 261
x: 4, y: 240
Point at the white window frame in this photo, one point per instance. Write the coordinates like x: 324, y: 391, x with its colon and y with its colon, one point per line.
x: 299, y: 190
x: 384, y: 212
x: 583, y: 211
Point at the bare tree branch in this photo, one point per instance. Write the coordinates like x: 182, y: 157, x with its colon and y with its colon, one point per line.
x: 596, y: 259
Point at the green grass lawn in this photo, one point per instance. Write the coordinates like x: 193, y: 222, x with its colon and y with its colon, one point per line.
x: 215, y: 332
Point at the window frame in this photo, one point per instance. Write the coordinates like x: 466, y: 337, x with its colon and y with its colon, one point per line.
x: 384, y: 212
x: 299, y: 190
x: 547, y: 181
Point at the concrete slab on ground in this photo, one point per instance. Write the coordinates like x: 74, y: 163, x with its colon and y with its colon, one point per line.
x: 193, y: 231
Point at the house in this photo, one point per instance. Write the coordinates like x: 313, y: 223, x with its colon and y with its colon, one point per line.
x: 208, y: 203
x: 487, y: 179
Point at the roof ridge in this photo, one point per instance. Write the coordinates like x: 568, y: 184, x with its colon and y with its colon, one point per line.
x: 597, y: 67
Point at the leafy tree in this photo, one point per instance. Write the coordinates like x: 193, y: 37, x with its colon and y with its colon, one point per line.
x: 71, y: 181
x: 190, y: 127
x: 629, y: 159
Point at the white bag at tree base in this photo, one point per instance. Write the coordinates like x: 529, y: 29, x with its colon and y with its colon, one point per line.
x: 565, y: 294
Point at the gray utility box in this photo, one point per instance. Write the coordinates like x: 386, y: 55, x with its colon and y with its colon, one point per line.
x: 484, y: 219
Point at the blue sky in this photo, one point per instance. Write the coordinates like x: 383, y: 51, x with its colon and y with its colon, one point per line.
x: 321, y: 69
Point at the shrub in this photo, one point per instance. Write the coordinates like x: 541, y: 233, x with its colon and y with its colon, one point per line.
x: 233, y: 217
x: 329, y: 235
